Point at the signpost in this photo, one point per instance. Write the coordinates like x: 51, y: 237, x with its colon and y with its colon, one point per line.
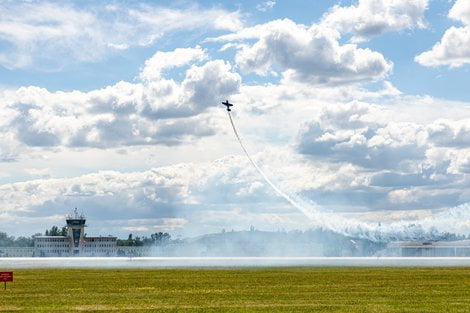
x: 6, y: 276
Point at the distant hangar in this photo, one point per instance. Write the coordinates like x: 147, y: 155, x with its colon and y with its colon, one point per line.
x: 457, y: 248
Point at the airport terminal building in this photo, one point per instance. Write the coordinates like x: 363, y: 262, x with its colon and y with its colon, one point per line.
x: 75, y: 243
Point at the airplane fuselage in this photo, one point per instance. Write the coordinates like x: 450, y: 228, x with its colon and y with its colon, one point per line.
x: 228, y: 105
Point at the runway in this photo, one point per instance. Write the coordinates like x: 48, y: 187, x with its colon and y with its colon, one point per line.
x: 227, y: 262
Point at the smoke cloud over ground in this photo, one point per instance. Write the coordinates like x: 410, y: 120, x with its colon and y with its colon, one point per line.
x: 220, y: 262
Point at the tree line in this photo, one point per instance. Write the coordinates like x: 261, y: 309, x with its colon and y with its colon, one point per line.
x: 156, y: 239
x: 10, y: 241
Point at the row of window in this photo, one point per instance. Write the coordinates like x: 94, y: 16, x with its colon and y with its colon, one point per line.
x: 53, y: 245
x: 52, y: 239
x: 99, y: 239
x: 54, y: 251
x: 66, y: 245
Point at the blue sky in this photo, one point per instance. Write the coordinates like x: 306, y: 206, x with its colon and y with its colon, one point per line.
x: 401, y: 47
x: 357, y: 109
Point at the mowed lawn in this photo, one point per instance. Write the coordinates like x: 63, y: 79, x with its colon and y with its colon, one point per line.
x: 308, y: 289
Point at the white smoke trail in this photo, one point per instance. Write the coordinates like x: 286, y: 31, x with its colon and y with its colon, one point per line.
x: 321, y: 219
x: 307, y: 213
x: 452, y: 220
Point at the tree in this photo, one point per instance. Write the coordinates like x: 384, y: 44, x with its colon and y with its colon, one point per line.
x: 130, y: 241
x: 160, y: 238
x: 10, y: 241
x: 55, y: 231
x: 154, y: 240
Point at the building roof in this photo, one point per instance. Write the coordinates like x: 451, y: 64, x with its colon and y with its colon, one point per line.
x: 41, y: 237
x: 65, y: 237
x: 95, y: 237
x: 430, y: 244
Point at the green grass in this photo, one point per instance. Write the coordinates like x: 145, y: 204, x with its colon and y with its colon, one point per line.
x: 306, y: 289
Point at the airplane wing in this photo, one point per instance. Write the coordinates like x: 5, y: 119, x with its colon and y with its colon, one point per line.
x: 227, y: 104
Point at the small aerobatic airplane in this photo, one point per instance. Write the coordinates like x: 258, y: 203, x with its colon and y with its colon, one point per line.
x: 228, y: 105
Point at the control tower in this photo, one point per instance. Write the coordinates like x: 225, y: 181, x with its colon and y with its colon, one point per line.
x: 76, y: 232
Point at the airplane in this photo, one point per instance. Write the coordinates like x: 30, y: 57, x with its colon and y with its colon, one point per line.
x: 228, y: 105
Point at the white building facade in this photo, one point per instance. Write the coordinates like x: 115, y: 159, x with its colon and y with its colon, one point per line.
x: 75, y: 243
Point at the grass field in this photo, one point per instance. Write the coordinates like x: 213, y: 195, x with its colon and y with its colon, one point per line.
x: 239, y: 290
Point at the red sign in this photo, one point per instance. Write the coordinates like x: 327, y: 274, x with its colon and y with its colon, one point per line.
x: 6, y: 276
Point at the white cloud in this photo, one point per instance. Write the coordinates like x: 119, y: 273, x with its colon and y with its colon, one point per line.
x: 207, y: 84
x: 362, y: 151
x: 355, y: 133
x: 460, y: 11
x: 155, y: 111
x: 396, y: 153
x: 404, y: 154
x: 359, y: 157
x: 48, y: 36
x: 159, y: 196
x: 136, y: 228
x: 9, y: 150
x: 310, y: 54
x: 166, y: 60
x: 170, y: 224
x: 199, y: 197
x: 454, y: 48
x: 370, y: 18
x: 448, y: 133
x: 460, y: 162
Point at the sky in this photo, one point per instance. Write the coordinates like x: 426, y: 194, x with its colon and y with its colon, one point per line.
x: 357, y: 111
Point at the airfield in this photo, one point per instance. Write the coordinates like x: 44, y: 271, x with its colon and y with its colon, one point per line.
x: 96, y: 287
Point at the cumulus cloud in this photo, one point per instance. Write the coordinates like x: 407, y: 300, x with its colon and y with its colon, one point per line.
x: 48, y: 35
x: 425, y: 197
x: 385, y: 163
x: 154, y: 111
x: 400, y: 153
x: 460, y: 11
x: 351, y: 133
x: 446, y: 133
x: 9, y: 147
x: 370, y: 18
x: 310, y: 54
x: 356, y: 157
x: 454, y: 48
x: 459, y: 162
x: 166, y: 60
x: 198, y: 91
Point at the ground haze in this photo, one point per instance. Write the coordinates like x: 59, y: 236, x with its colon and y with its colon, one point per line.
x: 305, y: 289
